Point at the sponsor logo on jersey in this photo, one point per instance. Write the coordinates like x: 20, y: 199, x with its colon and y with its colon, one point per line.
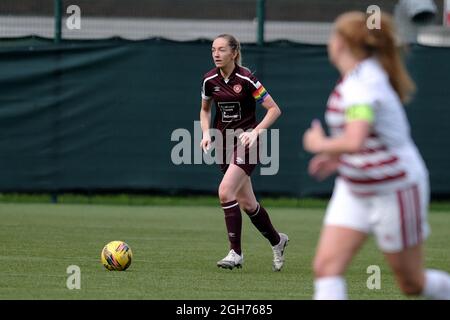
x: 231, y: 111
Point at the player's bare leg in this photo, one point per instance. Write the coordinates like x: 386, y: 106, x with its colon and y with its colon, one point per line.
x: 413, y: 279
x: 232, y: 181
x: 246, y: 197
x: 407, y: 266
x: 336, y: 248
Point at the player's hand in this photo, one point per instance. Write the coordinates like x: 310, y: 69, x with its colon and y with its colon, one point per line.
x: 322, y: 166
x: 313, y: 137
x: 248, y: 138
x: 205, y: 144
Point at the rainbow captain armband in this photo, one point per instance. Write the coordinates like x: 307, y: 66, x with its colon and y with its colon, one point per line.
x: 360, y: 112
x: 260, y: 94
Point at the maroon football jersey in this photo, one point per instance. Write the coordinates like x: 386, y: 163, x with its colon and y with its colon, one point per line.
x: 235, y: 98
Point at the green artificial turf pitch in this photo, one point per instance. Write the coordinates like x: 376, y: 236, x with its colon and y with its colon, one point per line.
x: 175, y: 251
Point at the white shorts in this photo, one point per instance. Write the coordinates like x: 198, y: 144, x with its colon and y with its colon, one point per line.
x: 398, y: 219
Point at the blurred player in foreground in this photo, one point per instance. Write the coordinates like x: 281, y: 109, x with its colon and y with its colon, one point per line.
x: 235, y: 91
x: 382, y: 187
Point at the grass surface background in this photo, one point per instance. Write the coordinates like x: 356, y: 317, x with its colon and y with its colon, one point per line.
x: 175, y: 251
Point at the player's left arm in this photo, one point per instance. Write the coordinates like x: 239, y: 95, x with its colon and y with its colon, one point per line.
x: 272, y: 114
x: 359, y: 119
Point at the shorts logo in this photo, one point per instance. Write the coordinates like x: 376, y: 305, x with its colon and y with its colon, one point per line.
x: 237, y: 88
x: 239, y: 160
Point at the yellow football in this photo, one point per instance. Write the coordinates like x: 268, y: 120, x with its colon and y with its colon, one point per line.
x: 116, y: 256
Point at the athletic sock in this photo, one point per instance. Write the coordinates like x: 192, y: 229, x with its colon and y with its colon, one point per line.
x: 330, y: 288
x: 262, y: 222
x: 233, y: 221
x: 437, y: 285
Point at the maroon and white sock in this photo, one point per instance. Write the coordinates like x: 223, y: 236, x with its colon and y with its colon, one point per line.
x: 261, y: 221
x: 233, y: 220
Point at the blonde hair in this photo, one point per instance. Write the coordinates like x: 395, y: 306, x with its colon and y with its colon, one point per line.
x: 235, y: 46
x: 381, y: 43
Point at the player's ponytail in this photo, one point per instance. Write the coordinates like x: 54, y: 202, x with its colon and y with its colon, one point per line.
x: 381, y: 43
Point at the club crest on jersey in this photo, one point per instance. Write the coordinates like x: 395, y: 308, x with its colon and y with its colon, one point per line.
x: 237, y: 88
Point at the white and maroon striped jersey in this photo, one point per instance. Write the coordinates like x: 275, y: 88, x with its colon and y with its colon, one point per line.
x: 389, y: 159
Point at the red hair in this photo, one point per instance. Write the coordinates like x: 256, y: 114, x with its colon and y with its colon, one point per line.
x: 381, y: 43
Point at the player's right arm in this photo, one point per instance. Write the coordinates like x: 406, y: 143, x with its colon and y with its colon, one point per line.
x: 205, y: 120
x: 323, y: 165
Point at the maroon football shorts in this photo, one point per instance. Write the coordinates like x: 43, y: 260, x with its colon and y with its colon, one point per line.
x: 247, y: 160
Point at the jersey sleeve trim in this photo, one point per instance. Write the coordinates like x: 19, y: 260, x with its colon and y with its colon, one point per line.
x: 248, y: 79
x: 204, y: 95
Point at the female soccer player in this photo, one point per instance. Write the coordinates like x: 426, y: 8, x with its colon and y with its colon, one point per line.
x: 382, y: 186
x: 235, y: 91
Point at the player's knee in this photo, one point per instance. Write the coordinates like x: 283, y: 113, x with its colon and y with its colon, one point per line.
x: 411, y: 286
x: 226, y: 193
x: 326, y: 267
